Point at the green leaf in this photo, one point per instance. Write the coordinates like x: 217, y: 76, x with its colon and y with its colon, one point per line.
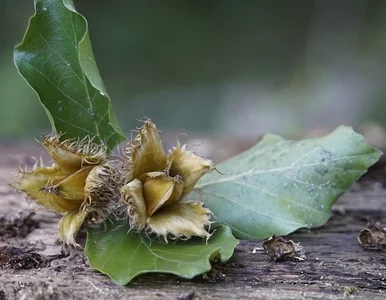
x: 122, y: 255
x: 281, y: 185
x: 56, y: 60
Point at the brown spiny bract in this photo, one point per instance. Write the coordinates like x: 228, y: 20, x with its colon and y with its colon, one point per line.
x: 156, y: 184
x: 80, y: 184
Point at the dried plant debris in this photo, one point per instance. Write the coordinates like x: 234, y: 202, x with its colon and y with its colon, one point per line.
x: 213, y: 276
x: 25, y: 258
x: 349, y: 290
x: 156, y: 184
x: 280, y: 249
x: 17, y: 225
x: 81, y: 184
x: 372, y: 237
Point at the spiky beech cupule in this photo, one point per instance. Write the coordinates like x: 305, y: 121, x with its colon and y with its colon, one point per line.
x: 81, y: 184
x: 156, y: 185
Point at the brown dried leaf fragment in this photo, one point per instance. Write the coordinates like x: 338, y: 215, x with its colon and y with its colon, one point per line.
x: 372, y: 237
x: 280, y: 249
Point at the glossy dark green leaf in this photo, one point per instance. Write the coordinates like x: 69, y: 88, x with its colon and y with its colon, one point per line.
x: 281, y: 185
x: 56, y: 59
x: 122, y: 255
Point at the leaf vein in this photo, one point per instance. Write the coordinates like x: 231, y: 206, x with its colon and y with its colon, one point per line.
x: 73, y: 125
x: 57, y: 54
x: 250, y: 209
x: 274, y: 170
x: 164, y: 258
x: 55, y: 86
x: 276, y: 195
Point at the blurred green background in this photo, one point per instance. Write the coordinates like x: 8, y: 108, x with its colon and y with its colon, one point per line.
x: 223, y: 67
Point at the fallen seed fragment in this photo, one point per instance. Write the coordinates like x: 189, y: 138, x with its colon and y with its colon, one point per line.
x: 280, y: 249
x: 348, y: 290
x: 372, y: 237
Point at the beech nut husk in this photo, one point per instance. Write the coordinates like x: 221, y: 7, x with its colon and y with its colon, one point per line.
x: 80, y: 184
x: 156, y: 185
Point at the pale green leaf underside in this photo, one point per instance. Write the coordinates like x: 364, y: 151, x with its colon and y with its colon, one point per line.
x: 281, y: 185
x: 56, y: 60
x: 122, y: 255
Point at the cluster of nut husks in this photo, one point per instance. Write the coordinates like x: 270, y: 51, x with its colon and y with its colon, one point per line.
x: 86, y: 188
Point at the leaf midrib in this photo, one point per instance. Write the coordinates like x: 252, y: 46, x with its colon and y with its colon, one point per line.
x: 167, y: 259
x: 82, y: 80
x: 84, y: 74
x: 255, y: 172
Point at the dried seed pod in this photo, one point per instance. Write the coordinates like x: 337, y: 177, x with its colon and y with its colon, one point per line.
x: 279, y: 249
x: 372, y: 237
x: 80, y: 184
x: 156, y: 185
